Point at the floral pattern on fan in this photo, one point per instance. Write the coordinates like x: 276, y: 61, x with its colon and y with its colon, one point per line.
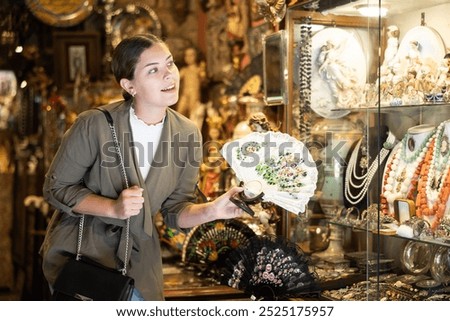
x: 282, y: 165
x: 283, y: 172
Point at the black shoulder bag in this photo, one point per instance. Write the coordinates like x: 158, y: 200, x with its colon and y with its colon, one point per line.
x: 85, y: 280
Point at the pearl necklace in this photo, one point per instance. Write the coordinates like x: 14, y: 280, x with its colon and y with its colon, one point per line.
x: 351, y: 176
x: 402, y: 173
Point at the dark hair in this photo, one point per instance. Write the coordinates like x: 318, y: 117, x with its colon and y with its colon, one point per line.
x: 126, y: 55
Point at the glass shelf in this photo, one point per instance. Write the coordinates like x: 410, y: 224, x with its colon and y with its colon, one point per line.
x: 445, y: 243
x: 401, y: 108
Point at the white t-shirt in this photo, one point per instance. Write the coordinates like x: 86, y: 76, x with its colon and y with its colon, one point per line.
x: 146, y: 140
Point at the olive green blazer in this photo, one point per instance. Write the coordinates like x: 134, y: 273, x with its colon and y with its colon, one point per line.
x: 86, y: 163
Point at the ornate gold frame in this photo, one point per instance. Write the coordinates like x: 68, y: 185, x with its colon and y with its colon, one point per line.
x: 63, y: 13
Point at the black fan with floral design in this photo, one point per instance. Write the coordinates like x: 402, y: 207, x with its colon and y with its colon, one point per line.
x: 270, y: 268
x: 207, y: 245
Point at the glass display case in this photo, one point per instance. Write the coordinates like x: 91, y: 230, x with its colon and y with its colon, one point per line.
x: 369, y: 96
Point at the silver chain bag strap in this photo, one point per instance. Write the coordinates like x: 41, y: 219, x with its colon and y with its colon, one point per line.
x: 85, y: 280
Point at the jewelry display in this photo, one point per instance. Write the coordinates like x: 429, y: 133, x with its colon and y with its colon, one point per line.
x: 390, y: 287
x: 383, y: 277
x: 438, y: 297
x: 359, y: 175
x: 382, y: 168
x: 410, y: 278
x: 434, y: 183
x: 428, y: 284
x: 403, y: 292
x: 376, y: 265
x: 361, y: 291
x: 403, y: 169
x: 352, y: 215
x: 372, y: 219
x: 330, y: 272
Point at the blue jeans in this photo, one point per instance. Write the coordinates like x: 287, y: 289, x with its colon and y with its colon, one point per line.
x: 136, y: 295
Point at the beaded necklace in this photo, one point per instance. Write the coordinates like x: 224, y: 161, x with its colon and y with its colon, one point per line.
x: 434, y: 184
x: 400, y: 179
x: 352, y: 177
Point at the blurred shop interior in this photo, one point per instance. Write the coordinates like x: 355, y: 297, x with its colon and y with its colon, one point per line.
x: 252, y: 66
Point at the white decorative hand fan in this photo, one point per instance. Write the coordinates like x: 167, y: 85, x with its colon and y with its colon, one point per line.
x: 272, y: 167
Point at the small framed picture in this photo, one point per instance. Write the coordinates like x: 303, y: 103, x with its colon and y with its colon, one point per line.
x: 76, y: 53
x: 404, y: 209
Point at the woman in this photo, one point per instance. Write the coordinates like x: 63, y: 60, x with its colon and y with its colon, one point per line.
x: 162, y: 150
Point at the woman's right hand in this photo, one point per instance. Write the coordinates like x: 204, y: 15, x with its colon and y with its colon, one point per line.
x: 129, y: 203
